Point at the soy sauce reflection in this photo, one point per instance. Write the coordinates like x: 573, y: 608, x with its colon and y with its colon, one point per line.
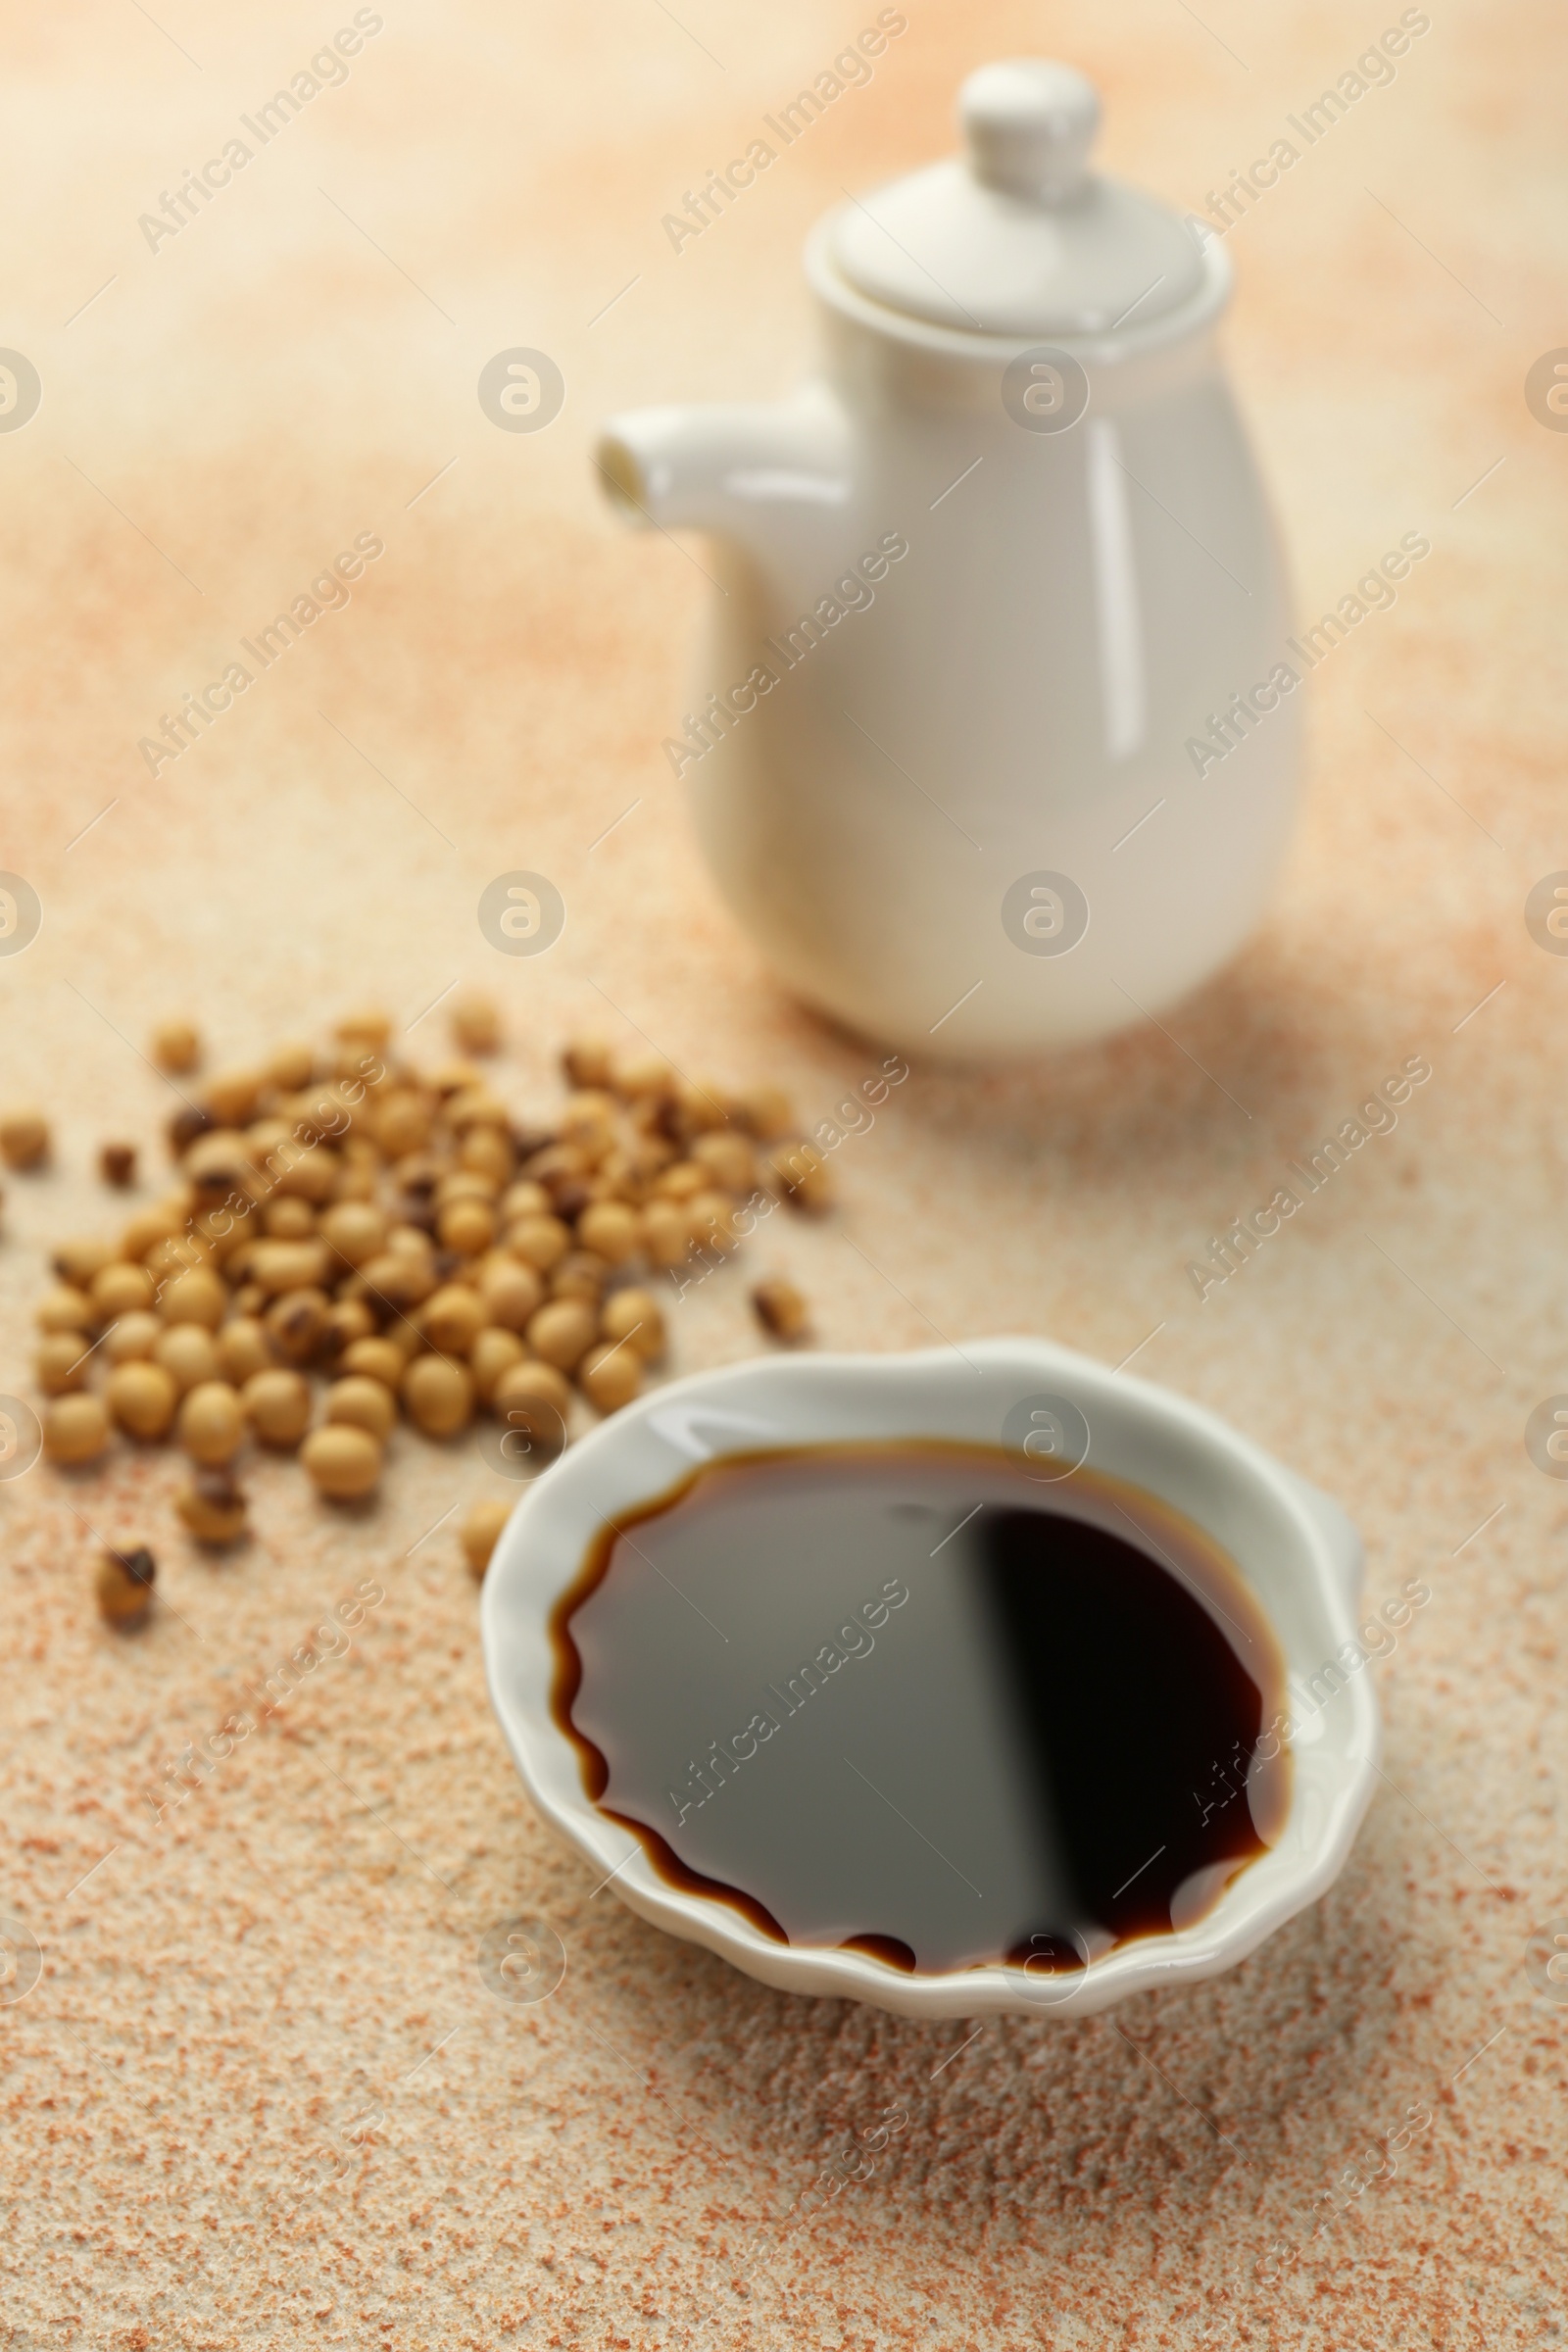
x: 908, y: 1700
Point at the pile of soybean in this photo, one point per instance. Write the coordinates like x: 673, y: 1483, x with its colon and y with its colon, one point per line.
x: 349, y: 1238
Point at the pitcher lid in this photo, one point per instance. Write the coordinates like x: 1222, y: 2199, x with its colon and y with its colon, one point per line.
x: 1017, y: 238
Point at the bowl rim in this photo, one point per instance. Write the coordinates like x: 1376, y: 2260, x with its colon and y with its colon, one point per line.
x: 541, y: 1551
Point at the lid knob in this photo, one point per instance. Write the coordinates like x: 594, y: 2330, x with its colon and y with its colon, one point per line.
x: 1030, y: 123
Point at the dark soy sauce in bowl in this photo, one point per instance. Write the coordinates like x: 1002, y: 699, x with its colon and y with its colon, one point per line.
x: 916, y: 1700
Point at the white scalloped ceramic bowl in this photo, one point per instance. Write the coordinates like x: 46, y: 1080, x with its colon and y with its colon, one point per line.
x: 1296, y: 1548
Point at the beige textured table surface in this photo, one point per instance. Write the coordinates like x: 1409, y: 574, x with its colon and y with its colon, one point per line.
x: 267, y: 1975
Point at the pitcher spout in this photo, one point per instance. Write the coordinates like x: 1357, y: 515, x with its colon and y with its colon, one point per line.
x: 754, y: 474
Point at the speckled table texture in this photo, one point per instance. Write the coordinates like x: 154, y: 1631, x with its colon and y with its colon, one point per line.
x: 260, y: 2092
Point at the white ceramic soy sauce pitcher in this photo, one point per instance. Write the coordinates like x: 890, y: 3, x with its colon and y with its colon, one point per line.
x: 986, y: 582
